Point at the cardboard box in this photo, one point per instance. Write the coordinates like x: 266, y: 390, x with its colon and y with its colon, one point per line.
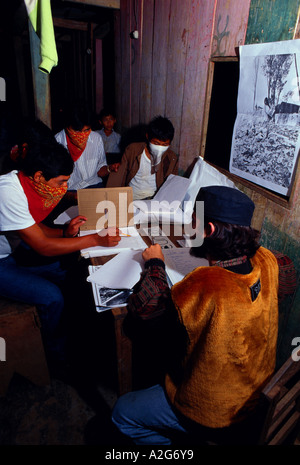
x: 106, y: 207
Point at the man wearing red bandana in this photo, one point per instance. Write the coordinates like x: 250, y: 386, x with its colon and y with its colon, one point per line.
x: 28, y: 195
x: 86, y: 149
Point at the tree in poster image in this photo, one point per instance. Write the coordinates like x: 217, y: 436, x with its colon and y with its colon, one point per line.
x: 276, y: 69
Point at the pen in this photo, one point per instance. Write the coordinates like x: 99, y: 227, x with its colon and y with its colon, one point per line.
x: 125, y: 235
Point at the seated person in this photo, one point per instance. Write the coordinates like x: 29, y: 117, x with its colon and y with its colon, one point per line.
x: 221, y: 324
x: 86, y: 149
x: 111, y: 139
x: 146, y: 166
x: 28, y: 195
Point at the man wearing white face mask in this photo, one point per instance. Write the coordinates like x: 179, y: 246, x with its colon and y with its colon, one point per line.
x: 146, y: 165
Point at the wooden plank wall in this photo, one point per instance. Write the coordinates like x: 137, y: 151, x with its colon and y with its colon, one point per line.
x: 164, y: 71
x: 278, y: 19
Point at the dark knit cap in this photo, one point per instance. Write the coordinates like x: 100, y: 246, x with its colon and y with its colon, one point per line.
x: 227, y: 204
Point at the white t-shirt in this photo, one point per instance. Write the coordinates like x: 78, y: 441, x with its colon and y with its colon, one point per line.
x: 88, y: 164
x: 14, y: 212
x: 144, y: 183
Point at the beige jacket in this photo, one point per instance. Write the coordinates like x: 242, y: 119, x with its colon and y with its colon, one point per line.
x: 130, y: 164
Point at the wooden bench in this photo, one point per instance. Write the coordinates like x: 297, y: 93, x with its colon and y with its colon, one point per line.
x: 22, y: 346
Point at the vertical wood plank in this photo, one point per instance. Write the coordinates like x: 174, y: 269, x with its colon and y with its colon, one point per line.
x: 136, y: 52
x: 118, y: 70
x: 231, y: 18
x: 99, y: 75
x: 145, y: 112
x: 177, y: 52
x: 126, y: 57
x: 272, y: 21
x: 199, y: 40
x: 160, y: 57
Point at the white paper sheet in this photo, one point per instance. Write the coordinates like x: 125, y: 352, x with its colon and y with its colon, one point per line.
x: 168, y: 197
x: 266, y: 135
x: 121, y: 272
x: 179, y: 262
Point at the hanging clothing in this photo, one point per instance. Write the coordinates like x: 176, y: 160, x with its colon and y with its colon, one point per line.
x: 40, y: 15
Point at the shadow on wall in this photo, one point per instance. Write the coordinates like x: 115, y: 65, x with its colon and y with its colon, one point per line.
x: 134, y: 134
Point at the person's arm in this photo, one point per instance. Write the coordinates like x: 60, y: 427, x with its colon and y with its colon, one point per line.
x: 118, y: 179
x: 51, y: 241
x: 152, y: 296
x: 106, y: 170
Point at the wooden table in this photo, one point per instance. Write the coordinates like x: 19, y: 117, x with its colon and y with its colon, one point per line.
x: 123, y: 343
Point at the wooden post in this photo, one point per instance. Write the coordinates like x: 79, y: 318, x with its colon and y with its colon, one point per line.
x: 41, y: 82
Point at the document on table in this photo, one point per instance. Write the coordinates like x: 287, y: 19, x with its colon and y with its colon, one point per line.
x: 106, y: 299
x: 179, y: 262
x: 121, y: 272
x: 131, y: 242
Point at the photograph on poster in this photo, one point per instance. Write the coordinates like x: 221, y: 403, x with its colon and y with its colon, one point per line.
x: 265, y: 142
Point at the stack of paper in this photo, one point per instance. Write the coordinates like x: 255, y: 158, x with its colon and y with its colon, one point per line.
x: 105, y: 298
x: 113, y: 282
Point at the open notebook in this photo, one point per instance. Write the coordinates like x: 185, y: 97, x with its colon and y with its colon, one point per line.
x: 179, y: 262
x: 168, y: 198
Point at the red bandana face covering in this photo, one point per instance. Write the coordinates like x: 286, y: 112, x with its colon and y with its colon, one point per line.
x: 41, y: 198
x: 76, y: 141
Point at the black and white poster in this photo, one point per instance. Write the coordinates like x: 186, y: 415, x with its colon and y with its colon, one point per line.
x: 265, y: 141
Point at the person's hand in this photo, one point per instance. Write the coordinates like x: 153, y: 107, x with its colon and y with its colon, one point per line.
x: 74, y: 225
x: 154, y: 251
x: 109, y: 237
x: 114, y: 167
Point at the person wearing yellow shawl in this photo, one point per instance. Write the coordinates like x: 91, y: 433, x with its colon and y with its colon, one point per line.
x: 220, y: 331
x: 30, y: 251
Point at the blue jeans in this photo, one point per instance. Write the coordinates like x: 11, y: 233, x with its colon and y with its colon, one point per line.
x: 39, y: 286
x: 147, y: 417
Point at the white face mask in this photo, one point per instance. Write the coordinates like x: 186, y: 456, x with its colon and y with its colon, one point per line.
x: 157, y: 151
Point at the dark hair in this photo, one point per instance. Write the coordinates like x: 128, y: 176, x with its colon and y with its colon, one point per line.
x: 227, y: 241
x: 77, y: 116
x: 43, y: 153
x: 51, y: 159
x: 106, y: 112
x: 160, y: 128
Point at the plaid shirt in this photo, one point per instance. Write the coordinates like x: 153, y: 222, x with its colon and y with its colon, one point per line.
x: 152, y: 295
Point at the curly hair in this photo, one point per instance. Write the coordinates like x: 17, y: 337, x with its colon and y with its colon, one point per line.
x: 227, y: 241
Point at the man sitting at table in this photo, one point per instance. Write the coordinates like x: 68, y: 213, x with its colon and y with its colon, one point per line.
x: 86, y: 149
x: 146, y: 165
x: 221, y: 325
x: 30, y: 251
